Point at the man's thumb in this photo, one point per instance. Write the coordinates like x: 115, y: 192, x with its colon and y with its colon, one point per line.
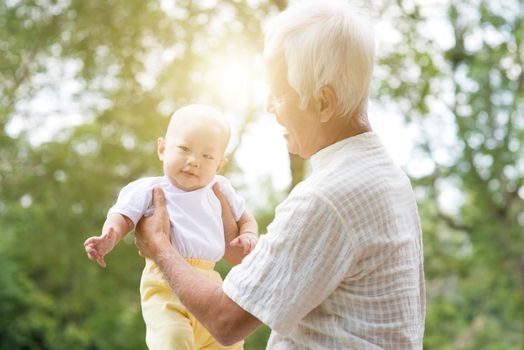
x: 158, y: 198
x: 219, y: 194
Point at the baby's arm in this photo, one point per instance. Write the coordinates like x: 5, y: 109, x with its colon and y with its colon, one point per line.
x: 115, y: 228
x: 248, y: 233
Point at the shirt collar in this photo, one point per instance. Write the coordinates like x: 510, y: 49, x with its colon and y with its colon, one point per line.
x: 176, y: 189
x: 323, y: 157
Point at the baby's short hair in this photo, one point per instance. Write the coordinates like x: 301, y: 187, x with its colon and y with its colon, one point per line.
x: 212, y: 116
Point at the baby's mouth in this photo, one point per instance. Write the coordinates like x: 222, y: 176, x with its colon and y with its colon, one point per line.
x: 188, y: 173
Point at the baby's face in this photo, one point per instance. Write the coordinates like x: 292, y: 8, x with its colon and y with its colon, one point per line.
x: 192, y: 153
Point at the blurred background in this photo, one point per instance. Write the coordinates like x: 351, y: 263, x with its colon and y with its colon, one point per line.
x: 86, y: 87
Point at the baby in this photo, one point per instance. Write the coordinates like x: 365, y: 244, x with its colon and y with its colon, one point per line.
x: 192, y: 153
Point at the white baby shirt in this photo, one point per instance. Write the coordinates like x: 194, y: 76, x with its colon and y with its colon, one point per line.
x: 195, y: 216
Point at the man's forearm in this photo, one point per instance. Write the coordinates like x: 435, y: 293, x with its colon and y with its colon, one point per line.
x: 205, y: 299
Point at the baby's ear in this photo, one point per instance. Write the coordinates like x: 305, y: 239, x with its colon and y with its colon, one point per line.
x: 160, y: 148
x: 222, y: 164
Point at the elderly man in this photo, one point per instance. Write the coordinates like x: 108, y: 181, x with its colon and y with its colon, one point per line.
x: 341, y: 266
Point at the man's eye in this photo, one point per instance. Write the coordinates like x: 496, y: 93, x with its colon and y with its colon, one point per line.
x: 207, y: 156
x: 278, y: 98
x: 183, y: 148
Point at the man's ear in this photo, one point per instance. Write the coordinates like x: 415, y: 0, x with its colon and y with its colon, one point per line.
x: 160, y: 147
x: 327, y: 103
x: 222, y: 164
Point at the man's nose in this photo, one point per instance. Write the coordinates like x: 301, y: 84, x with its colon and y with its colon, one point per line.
x: 269, y: 105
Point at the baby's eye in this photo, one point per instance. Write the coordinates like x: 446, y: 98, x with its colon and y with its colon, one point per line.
x: 183, y: 148
x: 208, y: 156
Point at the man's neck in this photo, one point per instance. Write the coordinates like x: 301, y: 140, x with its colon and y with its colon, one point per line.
x: 338, y: 129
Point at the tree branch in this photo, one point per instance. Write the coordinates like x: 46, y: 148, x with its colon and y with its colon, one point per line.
x: 452, y: 223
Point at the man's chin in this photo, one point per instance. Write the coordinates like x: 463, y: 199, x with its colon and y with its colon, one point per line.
x: 292, y: 148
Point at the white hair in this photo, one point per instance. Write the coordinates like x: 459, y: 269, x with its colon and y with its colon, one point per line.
x: 328, y: 42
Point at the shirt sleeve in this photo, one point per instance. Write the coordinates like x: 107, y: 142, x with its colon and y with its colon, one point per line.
x: 133, y: 200
x: 236, y: 202
x: 299, y: 262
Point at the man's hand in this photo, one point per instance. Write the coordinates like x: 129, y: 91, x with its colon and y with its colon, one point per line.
x: 230, y: 224
x: 232, y: 254
x: 152, y: 233
x: 98, y: 246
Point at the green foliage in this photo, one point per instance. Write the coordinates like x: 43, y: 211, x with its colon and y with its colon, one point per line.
x: 55, y: 194
x: 467, y: 101
x: 27, y: 313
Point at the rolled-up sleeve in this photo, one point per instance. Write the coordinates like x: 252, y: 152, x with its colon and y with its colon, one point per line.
x: 295, y: 266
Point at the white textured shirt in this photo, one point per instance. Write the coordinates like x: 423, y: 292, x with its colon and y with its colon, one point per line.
x: 341, y: 265
x: 196, y: 216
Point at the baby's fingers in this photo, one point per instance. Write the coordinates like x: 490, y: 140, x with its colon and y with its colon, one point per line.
x: 251, y: 243
x: 101, y: 261
x: 249, y: 246
x: 90, y: 241
x: 235, y: 243
x: 91, y: 252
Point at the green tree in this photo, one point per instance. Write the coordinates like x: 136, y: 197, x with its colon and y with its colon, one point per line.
x: 466, y: 98
x: 54, y: 194
x: 454, y: 74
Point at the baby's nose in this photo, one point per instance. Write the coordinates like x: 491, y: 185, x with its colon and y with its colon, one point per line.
x: 192, y: 161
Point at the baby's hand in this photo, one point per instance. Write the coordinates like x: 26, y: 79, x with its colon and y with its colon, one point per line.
x: 98, y: 246
x: 246, y: 240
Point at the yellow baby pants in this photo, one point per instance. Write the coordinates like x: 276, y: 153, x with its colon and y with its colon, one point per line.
x: 169, y: 325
